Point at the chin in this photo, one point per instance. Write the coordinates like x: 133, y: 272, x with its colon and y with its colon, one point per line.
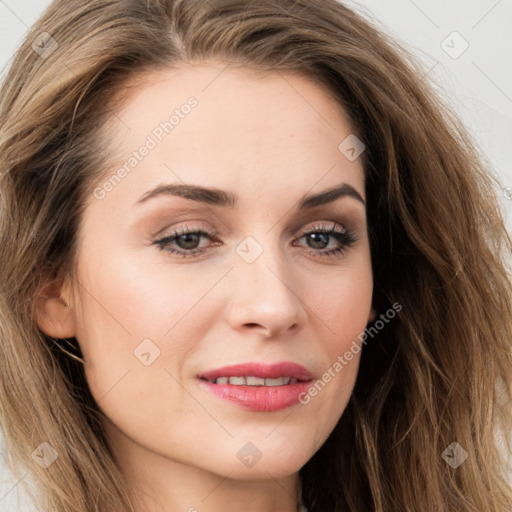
x: 259, y: 459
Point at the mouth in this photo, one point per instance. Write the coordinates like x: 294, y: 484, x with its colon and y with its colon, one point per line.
x: 258, y: 387
x: 251, y: 380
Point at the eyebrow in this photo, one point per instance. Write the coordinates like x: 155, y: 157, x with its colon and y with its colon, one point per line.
x: 217, y: 197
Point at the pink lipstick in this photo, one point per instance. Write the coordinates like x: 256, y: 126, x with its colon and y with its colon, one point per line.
x: 257, y: 386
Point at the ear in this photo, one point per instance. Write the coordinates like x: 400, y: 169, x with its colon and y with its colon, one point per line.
x: 53, y: 314
x: 372, y: 316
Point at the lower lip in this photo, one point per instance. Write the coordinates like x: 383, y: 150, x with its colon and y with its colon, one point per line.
x: 259, y: 398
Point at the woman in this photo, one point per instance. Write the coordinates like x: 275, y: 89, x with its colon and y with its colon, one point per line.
x: 179, y: 334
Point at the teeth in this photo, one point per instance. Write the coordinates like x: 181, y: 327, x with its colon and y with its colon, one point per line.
x: 275, y: 382
x: 237, y: 381
x: 255, y: 381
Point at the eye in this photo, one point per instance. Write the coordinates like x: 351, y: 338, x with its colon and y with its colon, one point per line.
x: 186, y: 239
x: 185, y: 242
x: 320, y: 237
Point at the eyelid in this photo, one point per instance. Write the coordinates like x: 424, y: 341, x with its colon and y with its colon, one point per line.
x: 169, y: 230
x: 317, y: 225
x: 327, y: 226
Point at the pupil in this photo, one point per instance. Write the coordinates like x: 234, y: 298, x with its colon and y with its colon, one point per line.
x: 187, y: 238
x: 319, y: 238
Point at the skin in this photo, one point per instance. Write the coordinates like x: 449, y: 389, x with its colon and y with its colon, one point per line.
x: 271, y: 139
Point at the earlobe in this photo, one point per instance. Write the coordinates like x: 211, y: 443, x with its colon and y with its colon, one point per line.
x: 53, y: 314
x: 373, y: 315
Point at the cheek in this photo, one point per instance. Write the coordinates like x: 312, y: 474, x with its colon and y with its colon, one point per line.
x: 147, y: 296
x: 341, y: 315
x: 128, y: 297
x: 344, y: 308
x: 341, y: 306
x: 134, y: 322
x: 133, y: 372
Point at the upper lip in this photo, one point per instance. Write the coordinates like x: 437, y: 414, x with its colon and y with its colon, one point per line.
x: 263, y: 370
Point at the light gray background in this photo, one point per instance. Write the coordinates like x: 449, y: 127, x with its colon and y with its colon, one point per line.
x: 477, y: 83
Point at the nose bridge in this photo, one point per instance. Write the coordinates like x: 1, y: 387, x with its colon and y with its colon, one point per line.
x: 266, y: 292
x: 261, y: 259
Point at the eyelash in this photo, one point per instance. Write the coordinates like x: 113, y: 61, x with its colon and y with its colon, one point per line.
x: 345, y: 237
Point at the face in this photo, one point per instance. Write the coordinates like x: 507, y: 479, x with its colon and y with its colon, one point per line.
x: 206, y: 316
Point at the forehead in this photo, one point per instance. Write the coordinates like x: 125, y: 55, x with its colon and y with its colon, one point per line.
x: 229, y: 127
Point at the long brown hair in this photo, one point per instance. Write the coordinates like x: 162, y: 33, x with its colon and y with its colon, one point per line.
x: 441, y: 372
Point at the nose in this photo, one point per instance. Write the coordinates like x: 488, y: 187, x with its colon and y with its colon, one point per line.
x: 266, y: 297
